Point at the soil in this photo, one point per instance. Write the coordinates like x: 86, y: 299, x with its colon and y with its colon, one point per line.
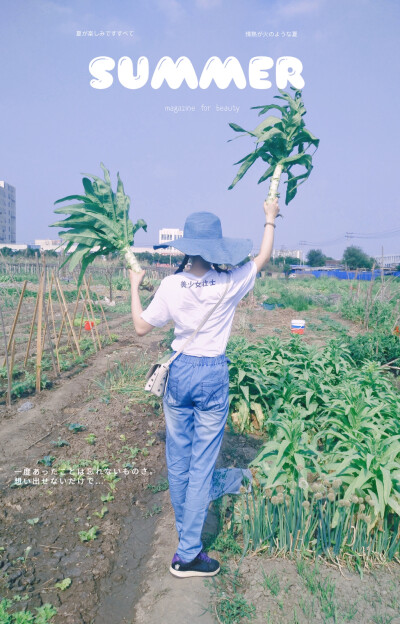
x: 122, y: 576
x: 373, y: 599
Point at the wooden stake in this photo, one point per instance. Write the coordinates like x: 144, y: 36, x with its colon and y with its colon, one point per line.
x: 62, y: 320
x: 68, y: 317
x: 12, y: 361
x: 86, y: 311
x: 53, y: 322
x: 104, y: 316
x: 91, y: 309
x: 7, y: 360
x: 16, y: 318
x: 31, y: 331
x: 39, y: 335
x: 46, y: 318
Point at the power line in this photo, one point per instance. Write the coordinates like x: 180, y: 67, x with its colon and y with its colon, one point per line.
x: 372, y: 235
x: 322, y: 243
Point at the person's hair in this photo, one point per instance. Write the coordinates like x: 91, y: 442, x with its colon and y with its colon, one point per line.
x: 186, y: 259
x: 182, y: 264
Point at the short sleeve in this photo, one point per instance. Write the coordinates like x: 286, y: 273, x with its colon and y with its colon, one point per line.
x: 157, y: 312
x: 243, y: 279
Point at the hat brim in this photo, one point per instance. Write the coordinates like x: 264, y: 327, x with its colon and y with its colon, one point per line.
x: 217, y: 250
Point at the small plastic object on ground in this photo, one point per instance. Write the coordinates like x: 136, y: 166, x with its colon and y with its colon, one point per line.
x: 25, y: 406
x: 297, y: 326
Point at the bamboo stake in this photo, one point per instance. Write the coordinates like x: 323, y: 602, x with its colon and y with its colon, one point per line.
x: 68, y: 317
x: 39, y: 335
x: 91, y: 309
x: 31, y: 331
x: 88, y: 315
x: 16, y: 318
x: 62, y: 320
x: 12, y: 362
x: 104, y: 317
x: 73, y: 317
x: 53, y: 321
x: 46, y: 317
x: 7, y: 361
x: 86, y: 311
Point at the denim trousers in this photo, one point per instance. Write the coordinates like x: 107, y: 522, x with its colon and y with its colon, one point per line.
x: 196, y: 405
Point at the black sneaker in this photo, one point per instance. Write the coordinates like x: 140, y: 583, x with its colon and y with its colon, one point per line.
x: 202, y: 565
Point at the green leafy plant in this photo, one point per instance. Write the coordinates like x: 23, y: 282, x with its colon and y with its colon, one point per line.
x: 64, y: 584
x: 281, y: 142
x: 101, y: 219
x: 60, y: 442
x: 91, y: 438
x: 102, y: 513
x: 75, y: 427
x: 47, y: 460
x: 90, y: 534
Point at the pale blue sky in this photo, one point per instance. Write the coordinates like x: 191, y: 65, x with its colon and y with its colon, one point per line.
x: 53, y: 125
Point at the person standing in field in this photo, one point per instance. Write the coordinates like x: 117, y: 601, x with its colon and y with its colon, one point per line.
x: 196, y: 400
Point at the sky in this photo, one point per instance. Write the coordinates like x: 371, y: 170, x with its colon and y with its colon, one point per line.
x: 54, y: 126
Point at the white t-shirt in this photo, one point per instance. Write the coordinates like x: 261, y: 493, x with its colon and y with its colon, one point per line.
x: 185, y: 299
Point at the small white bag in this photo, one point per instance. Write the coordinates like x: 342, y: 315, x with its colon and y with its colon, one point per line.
x: 157, y: 377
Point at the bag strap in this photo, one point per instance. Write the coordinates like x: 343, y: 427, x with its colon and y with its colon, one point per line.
x: 203, y: 321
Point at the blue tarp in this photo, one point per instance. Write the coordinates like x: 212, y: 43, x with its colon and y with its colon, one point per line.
x: 340, y: 274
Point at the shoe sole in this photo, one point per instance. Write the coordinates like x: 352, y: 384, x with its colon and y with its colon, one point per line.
x: 187, y: 573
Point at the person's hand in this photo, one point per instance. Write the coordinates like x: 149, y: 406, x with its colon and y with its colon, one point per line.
x: 136, y: 278
x: 271, y: 209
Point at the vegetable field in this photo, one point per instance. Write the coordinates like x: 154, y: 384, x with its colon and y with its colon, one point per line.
x: 49, y: 324
x: 315, y: 416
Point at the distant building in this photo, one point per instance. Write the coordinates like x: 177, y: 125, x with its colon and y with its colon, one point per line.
x: 47, y: 244
x: 287, y: 253
x: 388, y: 261
x: 166, y: 235
x: 7, y: 213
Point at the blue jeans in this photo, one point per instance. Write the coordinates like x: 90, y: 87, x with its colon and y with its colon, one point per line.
x: 196, y: 405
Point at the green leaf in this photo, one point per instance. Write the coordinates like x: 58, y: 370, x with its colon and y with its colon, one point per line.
x: 269, y: 172
x: 266, y: 124
x: 245, y: 166
x: 394, y: 504
x: 246, y: 392
x: 77, y: 256
x: 291, y: 189
x: 87, y: 185
x: 86, y: 260
x: 83, y: 235
x: 83, y: 198
x: 140, y: 223
x: 264, y: 109
x: 237, y: 128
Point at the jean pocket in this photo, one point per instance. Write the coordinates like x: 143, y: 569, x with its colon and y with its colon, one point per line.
x: 171, y: 393
x: 213, y: 394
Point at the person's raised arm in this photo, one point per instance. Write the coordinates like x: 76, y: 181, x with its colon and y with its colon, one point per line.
x: 271, y: 209
x: 142, y: 327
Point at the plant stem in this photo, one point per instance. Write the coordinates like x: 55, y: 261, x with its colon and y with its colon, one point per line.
x: 131, y: 259
x: 273, y: 187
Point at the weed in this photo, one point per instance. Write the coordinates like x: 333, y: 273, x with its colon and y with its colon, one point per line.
x: 271, y: 581
x: 156, y: 509
x: 158, y: 487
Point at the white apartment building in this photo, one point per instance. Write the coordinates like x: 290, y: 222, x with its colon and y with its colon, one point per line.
x: 168, y: 234
x: 388, y: 261
x: 7, y: 213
